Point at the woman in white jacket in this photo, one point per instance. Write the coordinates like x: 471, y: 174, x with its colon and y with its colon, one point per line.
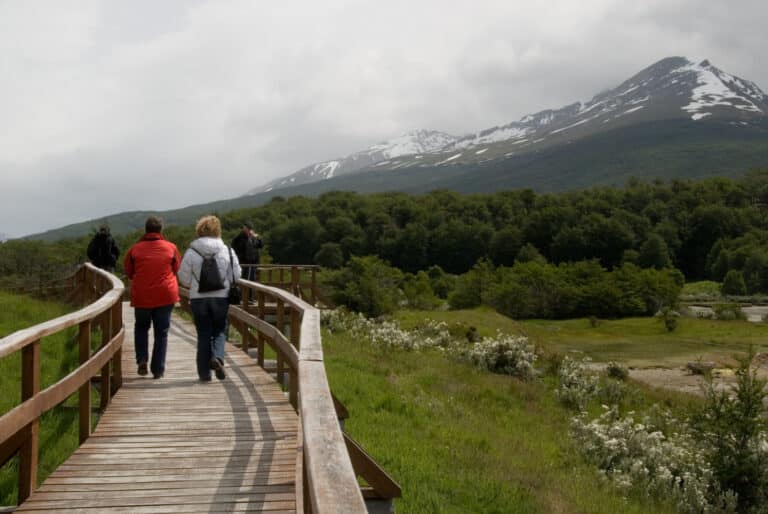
x: 209, y: 308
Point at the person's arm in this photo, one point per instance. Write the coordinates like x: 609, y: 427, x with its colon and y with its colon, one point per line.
x: 176, y: 261
x: 185, y: 270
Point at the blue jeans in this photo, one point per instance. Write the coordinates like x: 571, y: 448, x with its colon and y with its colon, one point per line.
x: 160, y: 319
x: 211, y: 323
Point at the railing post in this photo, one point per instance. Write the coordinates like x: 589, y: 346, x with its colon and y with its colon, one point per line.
x: 281, y: 328
x: 106, y: 336
x: 28, y: 453
x: 314, y: 286
x: 117, y: 361
x: 295, y: 281
x: 260, y: 339
x: 293, y: 387
x: 85, y: 390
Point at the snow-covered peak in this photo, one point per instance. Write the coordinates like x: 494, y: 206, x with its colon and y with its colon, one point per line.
x: 715, y: 87
x: 414, y: 142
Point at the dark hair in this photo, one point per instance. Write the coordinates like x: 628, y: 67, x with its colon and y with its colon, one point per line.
x: 153, y: 224
x: 248, y: 225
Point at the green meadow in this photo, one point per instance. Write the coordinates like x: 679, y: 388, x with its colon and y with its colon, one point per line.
x: 459, y: 439
x: 58, y: 427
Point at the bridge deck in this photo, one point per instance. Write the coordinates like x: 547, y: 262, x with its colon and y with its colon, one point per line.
x: 178, y: 445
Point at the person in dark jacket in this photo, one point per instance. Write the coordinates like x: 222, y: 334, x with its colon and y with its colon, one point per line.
x: 246, y: 245
x: 103, y: 250
x: 152, y: 264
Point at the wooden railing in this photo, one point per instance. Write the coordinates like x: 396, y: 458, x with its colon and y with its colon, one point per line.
x: 326, y: 469
x: 299, y: 280
x: 19, y: 427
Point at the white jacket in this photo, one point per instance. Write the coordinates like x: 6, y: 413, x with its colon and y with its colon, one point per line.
x: 192, y: 262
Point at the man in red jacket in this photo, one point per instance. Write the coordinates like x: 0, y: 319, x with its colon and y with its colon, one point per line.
x: 152, y: 264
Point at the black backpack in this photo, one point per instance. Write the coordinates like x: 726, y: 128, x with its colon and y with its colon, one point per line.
x: 210, y: 279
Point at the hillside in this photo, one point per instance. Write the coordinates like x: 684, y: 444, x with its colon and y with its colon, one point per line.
x: 674, y: 119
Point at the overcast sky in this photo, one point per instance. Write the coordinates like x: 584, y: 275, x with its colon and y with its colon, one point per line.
x: 108, y: 106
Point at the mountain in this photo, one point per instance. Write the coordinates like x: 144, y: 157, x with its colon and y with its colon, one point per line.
x: 674, y: 88
x: 411, y: 143
x: 674, y: 119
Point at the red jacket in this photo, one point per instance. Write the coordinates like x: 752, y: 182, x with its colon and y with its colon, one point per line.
x: 151, y: 264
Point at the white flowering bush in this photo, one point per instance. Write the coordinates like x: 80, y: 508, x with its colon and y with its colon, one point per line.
x: 505, y: 354
x: 577, y: 384
x: 385, y: 333
x: 639, y: 456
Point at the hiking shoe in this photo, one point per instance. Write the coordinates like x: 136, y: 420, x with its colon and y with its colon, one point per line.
x: 142, y: 369
x: 217, y: 365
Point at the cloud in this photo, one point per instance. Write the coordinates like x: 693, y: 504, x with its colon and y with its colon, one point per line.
x: 208, y: 99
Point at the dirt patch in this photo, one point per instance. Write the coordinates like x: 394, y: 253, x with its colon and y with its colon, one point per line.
x: 681, y: 379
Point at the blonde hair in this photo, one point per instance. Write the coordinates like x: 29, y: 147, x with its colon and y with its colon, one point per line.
x: 208, y: 226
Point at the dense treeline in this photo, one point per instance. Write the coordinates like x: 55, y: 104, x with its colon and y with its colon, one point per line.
x: 707, y: 229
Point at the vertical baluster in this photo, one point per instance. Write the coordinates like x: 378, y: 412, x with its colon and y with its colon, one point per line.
x: 28, y: 453
x: 314, y: 286
x: 295, y: 281
x: 260, y: 340
x: 106, y: 336
x: 117, y: 360
x: 85, y: 389
x: 281, y: 328
x: 293, y: 391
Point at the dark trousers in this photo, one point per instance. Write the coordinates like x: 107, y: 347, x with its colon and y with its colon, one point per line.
x: 211, y: 323
x: 249, y: 273
x: 160, y: 319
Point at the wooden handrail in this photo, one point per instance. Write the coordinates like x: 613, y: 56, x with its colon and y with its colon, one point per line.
x: 19, y: 427
x: 329, y: 483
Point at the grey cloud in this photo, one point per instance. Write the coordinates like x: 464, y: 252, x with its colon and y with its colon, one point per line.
x: 153, y: 99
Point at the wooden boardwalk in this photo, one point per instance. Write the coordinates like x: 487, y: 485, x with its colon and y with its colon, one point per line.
x: 178, y: 445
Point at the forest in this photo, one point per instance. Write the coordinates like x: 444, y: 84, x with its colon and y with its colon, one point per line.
x: 573, y: 253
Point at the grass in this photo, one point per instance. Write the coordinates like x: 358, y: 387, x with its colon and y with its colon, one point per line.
x: 59, y: 356
x: 701, y: 288
x: 463, y: 440
x: 640, y: 342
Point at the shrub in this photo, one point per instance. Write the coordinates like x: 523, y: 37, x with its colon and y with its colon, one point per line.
x: 640, y: 456
x: 733, y: 284
x: 617, y: 371
x: 728, y: 311
x: 505, y: 354
x: 731, y: 426
x: 577, y: 384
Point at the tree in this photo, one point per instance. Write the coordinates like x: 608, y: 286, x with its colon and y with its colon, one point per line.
x: 368, y: 285
x: 330, y: 256
x: 654, y: 253
x: 296, y: 241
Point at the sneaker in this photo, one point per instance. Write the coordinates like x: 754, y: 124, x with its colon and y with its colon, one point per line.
x: 157, y: 375
x: 206, y: 379
x: 142, y: 369
x: 217, y: 365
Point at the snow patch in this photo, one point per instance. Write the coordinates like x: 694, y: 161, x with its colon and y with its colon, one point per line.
x: 479, y: 152
x: 449, y: 159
